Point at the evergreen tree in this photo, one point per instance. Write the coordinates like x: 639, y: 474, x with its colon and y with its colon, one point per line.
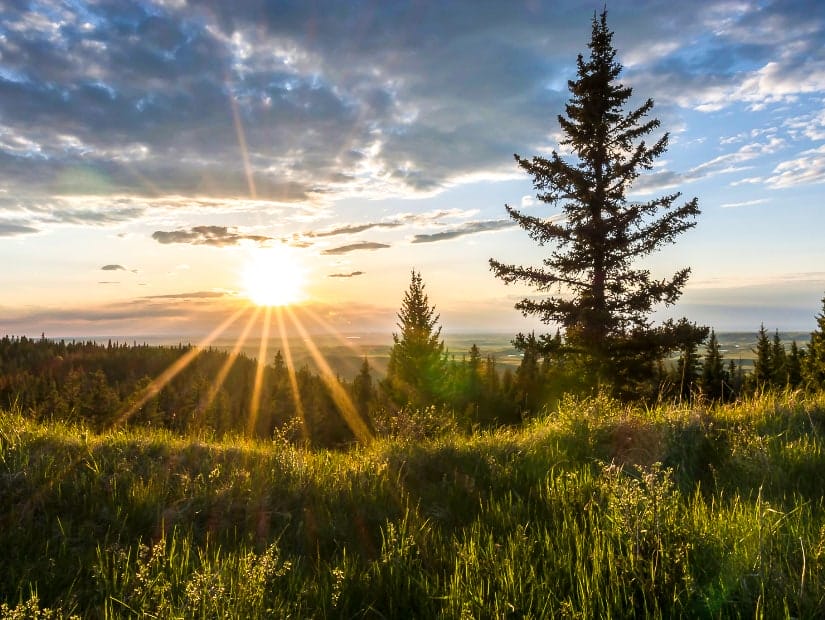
x: 529, y: 376
x: 814, y: 366
x: 607, y: 302
x: 714, y: 376
x: 763, y: 364
x: 779, y: 362
x: 688, y: 368
x: 417, y: 361
x: 363, y: 391
x: 794, y: 366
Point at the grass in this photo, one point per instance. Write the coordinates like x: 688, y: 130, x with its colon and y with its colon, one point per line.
x: 595, y: 510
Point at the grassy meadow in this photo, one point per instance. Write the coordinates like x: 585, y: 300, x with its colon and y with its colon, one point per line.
x: 594, y: 510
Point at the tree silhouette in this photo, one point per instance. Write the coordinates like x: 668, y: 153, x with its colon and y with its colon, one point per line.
x: 595, y: 294
x: 417, y: 361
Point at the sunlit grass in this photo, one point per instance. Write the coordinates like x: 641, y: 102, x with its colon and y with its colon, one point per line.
x: 596, y: 510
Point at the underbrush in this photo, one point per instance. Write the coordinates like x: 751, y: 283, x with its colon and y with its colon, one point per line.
x: 592, y: 510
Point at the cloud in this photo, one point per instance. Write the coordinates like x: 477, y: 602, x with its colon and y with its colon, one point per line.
x: 807, y: 169
x: 195, y: 295
x: 402, y: 219
x: 10, y: 230
x: 351, y: 274
x: 469, y: 228
x: 352, y: 247
x: 108, y: 282
x: 722, y: 164
x: 350, y: 229
x: 113, y: 268
x: 744, y: 203
x: 217, y: 236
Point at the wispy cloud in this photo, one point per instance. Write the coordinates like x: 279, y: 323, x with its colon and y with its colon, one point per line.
x: 744, y: 203
x: 113, y: 268
x: 351, y: 229
x: 208, y: 235
x: 354, y: 247
x: 722, y: 164
x: 194, y: 295
x: 351, y: 274
x: 11, y: 230
x: 470, y: 228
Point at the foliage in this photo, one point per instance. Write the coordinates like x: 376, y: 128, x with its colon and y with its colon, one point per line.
x: 602, y: 301
x: 417, y: 361
x: 590, y: 511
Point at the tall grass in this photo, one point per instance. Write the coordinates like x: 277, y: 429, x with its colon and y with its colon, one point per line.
x: 593, y: 510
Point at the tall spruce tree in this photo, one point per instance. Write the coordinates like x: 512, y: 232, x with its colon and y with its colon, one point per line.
x: 595, y: 293
x: 417, y: 363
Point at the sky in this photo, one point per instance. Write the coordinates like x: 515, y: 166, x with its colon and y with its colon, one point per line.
x: 150, y: 151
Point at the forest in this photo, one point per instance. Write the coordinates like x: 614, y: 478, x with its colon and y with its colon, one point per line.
x: 95, y: 384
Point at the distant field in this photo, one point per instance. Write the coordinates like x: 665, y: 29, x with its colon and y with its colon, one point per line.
x: 344, y: 353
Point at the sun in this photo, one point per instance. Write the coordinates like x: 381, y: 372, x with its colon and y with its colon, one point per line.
x: 273, y: 277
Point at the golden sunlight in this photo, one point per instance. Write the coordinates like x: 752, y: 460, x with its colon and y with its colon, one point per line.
x: 273, y: 277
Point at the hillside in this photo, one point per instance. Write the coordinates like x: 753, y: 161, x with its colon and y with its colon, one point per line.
x: 594, y: 511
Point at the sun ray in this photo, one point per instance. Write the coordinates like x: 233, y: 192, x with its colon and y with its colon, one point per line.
x: 342, y: 400
x: 236, y: 119
x: 290, y: 369
x: 170, y: 373
x: 330, y: 330
x: 230, y: 361
x: 255, y: 402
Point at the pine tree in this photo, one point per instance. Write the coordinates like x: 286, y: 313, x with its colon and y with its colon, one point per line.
x: 795, y: 366
x: 597, y: 296
x: 363, y: 391
x: 417, y: 361
x: 763, y: 364
x: 688, y: 368
x: 779, y: 362
x: 714, y: 377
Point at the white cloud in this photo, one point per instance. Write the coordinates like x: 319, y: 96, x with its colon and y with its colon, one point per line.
x: 807, y: 169
x: 744, y: 203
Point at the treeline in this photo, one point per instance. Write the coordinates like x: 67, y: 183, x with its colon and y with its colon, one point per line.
x: 427, y: 389
x: 101, y: 385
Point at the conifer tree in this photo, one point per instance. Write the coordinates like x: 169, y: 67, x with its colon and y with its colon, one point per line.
x: 763, y: 364
x: 779, y: 362
x: 688, y: 368
x: 363, y: 390
x: 417, y: 360
x: 795, y: 366
x: 714, y: 376
x: 595, y: 294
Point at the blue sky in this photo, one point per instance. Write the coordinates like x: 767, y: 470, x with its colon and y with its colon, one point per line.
x: 149, y: 150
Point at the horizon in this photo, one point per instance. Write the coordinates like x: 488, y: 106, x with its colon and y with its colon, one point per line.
x: 159, y: 161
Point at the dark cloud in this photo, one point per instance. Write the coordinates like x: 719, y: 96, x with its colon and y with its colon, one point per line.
x: 351, y: 274
x: 113, y: 268
x: 108, y: 282
x: 352, y: 247
x: 11, y: 230
x: 469, y: 228
x: 155, y: 99
x: 208, y: 235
